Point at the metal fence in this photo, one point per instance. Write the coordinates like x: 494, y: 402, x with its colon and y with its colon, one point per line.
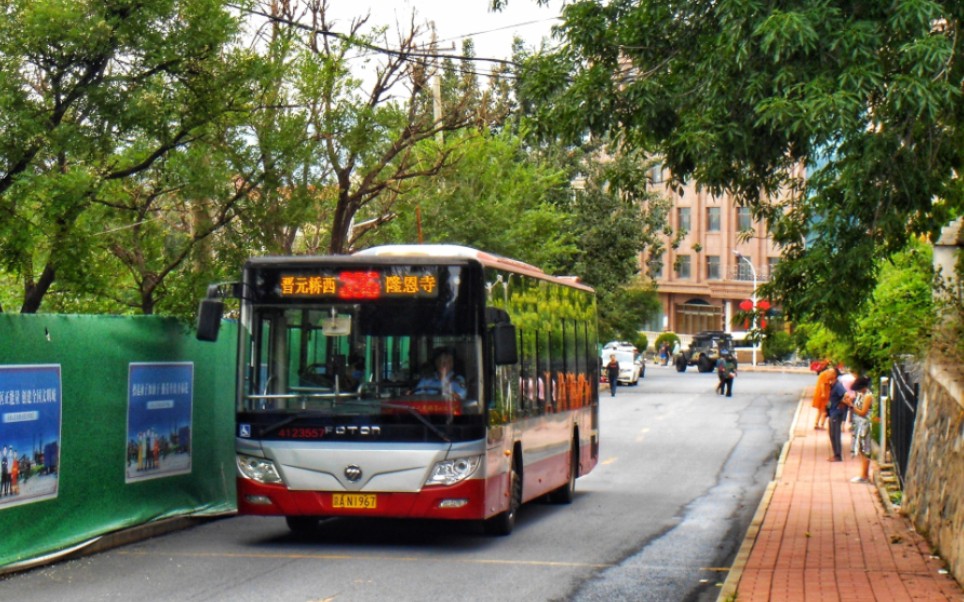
x: 904, y: 392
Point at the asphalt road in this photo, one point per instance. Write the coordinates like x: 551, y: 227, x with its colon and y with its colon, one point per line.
x: 681, y: 474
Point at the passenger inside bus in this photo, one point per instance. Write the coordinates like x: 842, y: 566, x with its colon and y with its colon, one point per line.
x: 444, y: 380
x: 324, y: 375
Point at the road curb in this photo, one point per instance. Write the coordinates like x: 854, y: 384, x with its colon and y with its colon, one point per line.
x: 114, y: 539
x: 728, y: 589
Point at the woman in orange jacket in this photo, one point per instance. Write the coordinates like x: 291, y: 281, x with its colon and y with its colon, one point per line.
x: 821, y: 394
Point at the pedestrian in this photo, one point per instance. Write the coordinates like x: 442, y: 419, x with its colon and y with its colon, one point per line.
x: 836, y: 412
x: 726, y: 370
x: 612, y: 373
x: 721, y: 375
x: 861, y: 402
x: 821, y: 394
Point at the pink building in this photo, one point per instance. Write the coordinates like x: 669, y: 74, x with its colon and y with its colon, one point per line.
x: 702, y: 281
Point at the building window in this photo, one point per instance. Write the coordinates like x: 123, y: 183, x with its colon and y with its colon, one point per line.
x: 683, y: 266
x: 744, y: 221
x: 696, y: 315
x: 656, y: 269
x: 772, y: 266
x: 712, y: 267
x: 712, y: 219
x: 656, y: 173
x: 683, y: 219
x: 744, y: 271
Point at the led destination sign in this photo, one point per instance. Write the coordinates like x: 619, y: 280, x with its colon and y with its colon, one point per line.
x: 360, y: 284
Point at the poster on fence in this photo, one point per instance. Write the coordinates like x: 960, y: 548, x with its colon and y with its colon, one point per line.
x: 160, y: 402
x: 30, y: 418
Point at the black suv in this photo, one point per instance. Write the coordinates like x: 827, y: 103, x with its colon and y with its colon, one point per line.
x: 704, y: 350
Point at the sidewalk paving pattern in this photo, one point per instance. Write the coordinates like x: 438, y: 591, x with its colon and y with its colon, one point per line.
x: 816, y: 536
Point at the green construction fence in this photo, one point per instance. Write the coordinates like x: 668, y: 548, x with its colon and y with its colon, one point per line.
x: 112, y: 422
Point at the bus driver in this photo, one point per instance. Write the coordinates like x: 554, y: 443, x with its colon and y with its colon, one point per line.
x: 444, y: 381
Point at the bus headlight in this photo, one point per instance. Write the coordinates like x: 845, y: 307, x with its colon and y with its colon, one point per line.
x: 450, y: 472
x: 258, y: 469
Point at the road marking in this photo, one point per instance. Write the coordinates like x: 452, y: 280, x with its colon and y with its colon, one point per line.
x: 356, y: 557
x: 608, y: 461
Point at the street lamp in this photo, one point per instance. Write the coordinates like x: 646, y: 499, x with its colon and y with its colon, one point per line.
x: 756, y: 342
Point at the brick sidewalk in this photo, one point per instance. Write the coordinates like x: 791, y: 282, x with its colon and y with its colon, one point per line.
x: 817, y: 536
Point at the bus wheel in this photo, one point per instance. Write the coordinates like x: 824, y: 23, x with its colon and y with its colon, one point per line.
x: 567, y: 493
x: 502, y: 524
x: 302, y: 524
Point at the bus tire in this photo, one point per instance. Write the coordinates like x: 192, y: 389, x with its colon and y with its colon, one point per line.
x: 567, y: 493
x: 503, y: 523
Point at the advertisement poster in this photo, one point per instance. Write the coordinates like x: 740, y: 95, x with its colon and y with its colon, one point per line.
x: 30, y: 417
x: 159, y: 409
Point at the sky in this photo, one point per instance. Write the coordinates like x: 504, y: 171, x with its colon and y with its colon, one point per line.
x: 492, y: 32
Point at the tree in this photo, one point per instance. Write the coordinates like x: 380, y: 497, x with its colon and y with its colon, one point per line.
x: 492, y: 197
x: 369, y: 137
x: 900, y: 318
x: 898, y: 321
x: 564, y: 211
x: 92, y: 94
x: 738, y: 95
x: 623, y: 312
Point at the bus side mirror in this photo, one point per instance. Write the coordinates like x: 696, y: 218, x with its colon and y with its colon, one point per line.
x: 209, y: 319
x: 504, y: 341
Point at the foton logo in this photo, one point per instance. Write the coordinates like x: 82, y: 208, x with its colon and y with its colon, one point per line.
x: 364, y: 431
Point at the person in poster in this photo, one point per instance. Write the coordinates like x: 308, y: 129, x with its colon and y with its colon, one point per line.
x: 159, y: 420
x: 30, y: 419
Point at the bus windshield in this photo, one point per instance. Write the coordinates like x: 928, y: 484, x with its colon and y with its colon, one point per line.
x: 349, y: 359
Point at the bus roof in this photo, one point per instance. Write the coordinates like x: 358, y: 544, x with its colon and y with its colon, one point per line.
x: 461, y: 252
x: 423, y: 253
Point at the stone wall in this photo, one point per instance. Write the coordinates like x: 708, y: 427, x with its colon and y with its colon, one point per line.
x: 934, y: 481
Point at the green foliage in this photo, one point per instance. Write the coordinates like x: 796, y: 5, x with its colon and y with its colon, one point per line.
x: 492, y: 197
x: 614, y: 218
x: 503, y: 197
x: 623, y: 311
x: 94, y: 96
x: 738, y: 95
x: 896, y: 321
x: 777, y: 346
x: 642, y: 342
x: 814, y: 341
x: 146, y: 151
x: 666, y: 337
x: 900, y: 317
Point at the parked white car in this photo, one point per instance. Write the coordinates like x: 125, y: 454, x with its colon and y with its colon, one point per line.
x: 631, y: 369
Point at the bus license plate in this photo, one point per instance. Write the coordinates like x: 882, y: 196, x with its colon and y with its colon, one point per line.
x: 354, y: 500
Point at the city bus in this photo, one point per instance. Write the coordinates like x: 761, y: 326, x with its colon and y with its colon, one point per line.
x: 340, y: 411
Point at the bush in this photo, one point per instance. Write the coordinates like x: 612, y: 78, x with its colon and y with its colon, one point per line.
x: 641, y: 342
x: 669, y: 337
x: 777, y: 346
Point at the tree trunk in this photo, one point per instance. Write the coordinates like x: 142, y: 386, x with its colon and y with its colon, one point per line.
x: 34, y: 294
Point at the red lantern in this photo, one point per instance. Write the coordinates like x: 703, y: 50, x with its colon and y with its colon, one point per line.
x: 746, y: 305
x: 763, y: 304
